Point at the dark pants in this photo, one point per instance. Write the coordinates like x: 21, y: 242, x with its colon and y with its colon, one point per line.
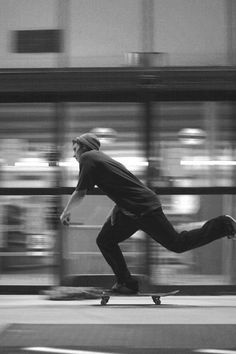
x: 160, y: 229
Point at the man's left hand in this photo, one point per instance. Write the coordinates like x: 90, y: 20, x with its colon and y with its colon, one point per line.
x: 65, y: 219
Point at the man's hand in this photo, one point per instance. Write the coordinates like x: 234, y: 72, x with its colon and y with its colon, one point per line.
x: 65, y: 218
x: 113, y: 215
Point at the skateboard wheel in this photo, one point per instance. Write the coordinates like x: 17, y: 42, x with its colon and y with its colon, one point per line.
x: 104, y: 300
x: 156, y: 300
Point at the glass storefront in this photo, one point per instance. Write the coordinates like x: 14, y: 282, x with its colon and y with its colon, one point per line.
x: 28, y: 231
x: 192, y: 145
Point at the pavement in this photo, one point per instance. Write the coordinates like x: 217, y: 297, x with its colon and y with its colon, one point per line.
x: 181, y: 324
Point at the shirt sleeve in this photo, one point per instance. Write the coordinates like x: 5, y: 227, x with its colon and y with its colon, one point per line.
x: 86, y: 175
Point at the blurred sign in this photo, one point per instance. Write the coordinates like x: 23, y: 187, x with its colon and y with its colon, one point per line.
x: 37, y: 41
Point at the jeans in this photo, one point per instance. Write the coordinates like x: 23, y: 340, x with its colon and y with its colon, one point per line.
x: 160, y: 229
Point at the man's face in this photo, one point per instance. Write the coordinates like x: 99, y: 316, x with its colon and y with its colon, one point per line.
x: 78, y: 150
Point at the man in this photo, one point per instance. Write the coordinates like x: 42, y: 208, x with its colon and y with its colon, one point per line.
x: 136, y: 208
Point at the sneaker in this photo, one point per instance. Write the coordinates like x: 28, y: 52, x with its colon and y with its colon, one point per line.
x: 127, y: 288
x: 232, y: 227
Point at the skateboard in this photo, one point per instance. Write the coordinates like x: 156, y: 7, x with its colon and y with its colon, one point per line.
x: 156, y: 297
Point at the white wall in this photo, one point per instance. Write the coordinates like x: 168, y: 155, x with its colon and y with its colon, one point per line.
x: 24, y: 15
x: 104, y: 31
x: 192, y: 32
x: 100, y: 32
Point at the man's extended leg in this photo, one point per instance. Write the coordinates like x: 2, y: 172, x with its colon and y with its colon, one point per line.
x: 111, y: 234
x: 160, y: 229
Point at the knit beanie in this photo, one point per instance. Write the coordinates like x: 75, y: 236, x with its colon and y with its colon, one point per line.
x: 90, y: 140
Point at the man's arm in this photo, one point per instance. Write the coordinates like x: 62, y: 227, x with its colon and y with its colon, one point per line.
x: 75, y: 199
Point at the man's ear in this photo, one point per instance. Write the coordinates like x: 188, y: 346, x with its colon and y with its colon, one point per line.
x: 84, y: 148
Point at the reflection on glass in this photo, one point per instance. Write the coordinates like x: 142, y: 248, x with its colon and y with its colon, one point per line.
x: 193, y: 144
x: 28, y: 239
x: 27, y: 145
x: 28, y: 246
x: 208, y: 265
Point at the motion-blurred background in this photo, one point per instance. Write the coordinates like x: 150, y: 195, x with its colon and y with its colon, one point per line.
x: 155, y: 80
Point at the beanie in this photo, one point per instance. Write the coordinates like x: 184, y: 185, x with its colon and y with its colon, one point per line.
x: 88, y: 139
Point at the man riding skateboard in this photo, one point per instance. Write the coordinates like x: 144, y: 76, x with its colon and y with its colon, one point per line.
x: 136, y: 208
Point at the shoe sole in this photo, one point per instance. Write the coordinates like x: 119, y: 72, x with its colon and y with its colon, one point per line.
x: 232, y: 237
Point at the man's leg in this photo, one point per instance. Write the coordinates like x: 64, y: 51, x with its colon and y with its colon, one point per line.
x: 111, y: 234
x: 160, y: 229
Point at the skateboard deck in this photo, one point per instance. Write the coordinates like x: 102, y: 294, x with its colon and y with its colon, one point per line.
x: 156, y: 297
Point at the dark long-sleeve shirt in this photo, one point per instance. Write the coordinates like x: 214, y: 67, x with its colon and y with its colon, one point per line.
x: 118, y: 183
